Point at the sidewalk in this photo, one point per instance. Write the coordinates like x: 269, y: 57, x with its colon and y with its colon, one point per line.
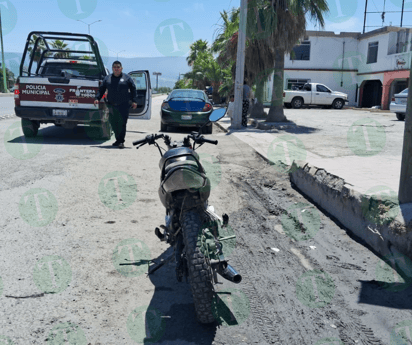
x: 359, y: 191
x: 9, y: 94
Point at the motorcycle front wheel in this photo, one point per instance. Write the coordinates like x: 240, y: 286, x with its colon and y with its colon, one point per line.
x: 200, y: 277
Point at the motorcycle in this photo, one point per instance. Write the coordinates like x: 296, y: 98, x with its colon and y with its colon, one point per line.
x: 191, y: 225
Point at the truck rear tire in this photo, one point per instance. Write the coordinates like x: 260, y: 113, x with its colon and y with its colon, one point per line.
x: 400, y: 116
x: 288, y: 105
x: 29, y: 127
x: 297, y: 102
x: 338, y: 103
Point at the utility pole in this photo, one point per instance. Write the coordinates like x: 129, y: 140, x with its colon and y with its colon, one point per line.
x: 364, y: 19
x: 157, y: 76
x: 240, y: 66
x: 405, y: 185
x: 2, y: 59
x: 403, y: 6
x: 88, y: 25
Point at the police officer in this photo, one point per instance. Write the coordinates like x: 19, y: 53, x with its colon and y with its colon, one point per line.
x: 118, y: 85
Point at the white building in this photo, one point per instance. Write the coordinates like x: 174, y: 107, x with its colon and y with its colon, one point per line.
x: 369, y: 67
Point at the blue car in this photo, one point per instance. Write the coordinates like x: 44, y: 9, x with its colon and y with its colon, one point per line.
x: 186, y: 108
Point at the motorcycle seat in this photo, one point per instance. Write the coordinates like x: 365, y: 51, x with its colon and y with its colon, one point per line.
x: 186, y: 163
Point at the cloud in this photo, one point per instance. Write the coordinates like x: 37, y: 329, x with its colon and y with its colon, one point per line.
x: 197, y: 7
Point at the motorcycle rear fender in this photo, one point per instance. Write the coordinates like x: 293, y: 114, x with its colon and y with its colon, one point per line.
x: 182, y: 178
x: 175, y: 199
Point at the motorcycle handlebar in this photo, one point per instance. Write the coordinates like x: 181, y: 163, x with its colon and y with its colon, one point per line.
x: 137, y: 142
x: 151, y: 138
x: 214, y: 142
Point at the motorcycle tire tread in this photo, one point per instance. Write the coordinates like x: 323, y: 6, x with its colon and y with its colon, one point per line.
x: 199, y: 271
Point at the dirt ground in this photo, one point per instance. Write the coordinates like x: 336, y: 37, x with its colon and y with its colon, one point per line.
x: 305, y: 280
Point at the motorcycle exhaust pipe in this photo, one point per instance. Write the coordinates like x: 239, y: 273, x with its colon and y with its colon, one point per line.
x: 228, y: 272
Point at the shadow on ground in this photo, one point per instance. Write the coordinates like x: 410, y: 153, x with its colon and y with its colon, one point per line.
x: 174, y: 301
x: 391, y: 295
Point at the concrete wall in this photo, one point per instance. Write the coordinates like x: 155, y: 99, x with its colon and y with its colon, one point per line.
x: 352, y: 210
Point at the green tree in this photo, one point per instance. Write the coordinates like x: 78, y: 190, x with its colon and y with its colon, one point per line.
x: 35, y: 55
x: 183, y: 84
x: 9, y: 76
x: 207, y: 67
x: 60, y: 45
x: 228, y: 85
x: 274, y: 27
x: 286, y: 27
x: 199, y: 46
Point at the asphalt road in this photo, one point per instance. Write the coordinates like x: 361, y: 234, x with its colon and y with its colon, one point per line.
x: 74, y: 247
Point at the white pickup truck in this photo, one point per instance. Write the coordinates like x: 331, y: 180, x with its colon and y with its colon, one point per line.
x: 314, y: 94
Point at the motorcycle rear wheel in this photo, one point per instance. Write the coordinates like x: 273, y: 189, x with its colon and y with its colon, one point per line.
x: 200, y: 277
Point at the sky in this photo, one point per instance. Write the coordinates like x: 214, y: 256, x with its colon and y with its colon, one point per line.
x: 156, y: 28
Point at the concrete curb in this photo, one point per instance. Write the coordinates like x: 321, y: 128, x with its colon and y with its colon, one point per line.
x: 10, y: 94
x: 221, y: 127
x: 348, y: 207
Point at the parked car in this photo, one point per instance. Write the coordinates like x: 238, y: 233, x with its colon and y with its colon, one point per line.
x: 398, y: 104
x: 186, y: 108
x: 314, y: 94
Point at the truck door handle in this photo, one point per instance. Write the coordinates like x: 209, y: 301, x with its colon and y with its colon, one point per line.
x: 317, y: 94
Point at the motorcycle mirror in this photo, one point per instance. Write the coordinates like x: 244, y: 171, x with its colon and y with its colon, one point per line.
x: 217, y: 114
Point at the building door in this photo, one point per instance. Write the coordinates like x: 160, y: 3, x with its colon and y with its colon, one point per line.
x: 372, y: 93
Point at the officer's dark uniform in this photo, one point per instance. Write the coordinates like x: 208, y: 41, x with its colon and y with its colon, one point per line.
x: 118, y: 98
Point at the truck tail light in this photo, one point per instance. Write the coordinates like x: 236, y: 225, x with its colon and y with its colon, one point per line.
x: 207, y: 107
x: 284, y: 94
x: 393, y: 99
x: 17, y: 93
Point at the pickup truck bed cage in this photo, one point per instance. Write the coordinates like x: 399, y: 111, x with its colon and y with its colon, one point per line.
x: 63, y: 36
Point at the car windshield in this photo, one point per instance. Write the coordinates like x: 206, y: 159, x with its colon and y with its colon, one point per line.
x: 188, y: 94
x: 73, y: 69
x: 405, y: 91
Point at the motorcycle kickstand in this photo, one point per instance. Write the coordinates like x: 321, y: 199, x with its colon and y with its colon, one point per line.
x: 159, y: 265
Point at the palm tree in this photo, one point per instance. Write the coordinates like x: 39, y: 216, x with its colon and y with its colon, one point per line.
x: 40, y: 48
x: 225, y: 33
x: 258, y: 57
x: 289, y: 27
x: 60, y: 45
x: 207, y: 67
x: 281, y: 24
x: 196, y: 48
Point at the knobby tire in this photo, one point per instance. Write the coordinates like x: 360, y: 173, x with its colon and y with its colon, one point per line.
x: 199, y: 271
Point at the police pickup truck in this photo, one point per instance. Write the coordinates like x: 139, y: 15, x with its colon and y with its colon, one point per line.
x: 314, y: 94
x: 59, y: 85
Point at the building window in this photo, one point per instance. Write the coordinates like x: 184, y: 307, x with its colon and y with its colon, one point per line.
x: 296, y: 84
x: 372, y: 52
x: 302, y: 51
x: 398, y: 42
